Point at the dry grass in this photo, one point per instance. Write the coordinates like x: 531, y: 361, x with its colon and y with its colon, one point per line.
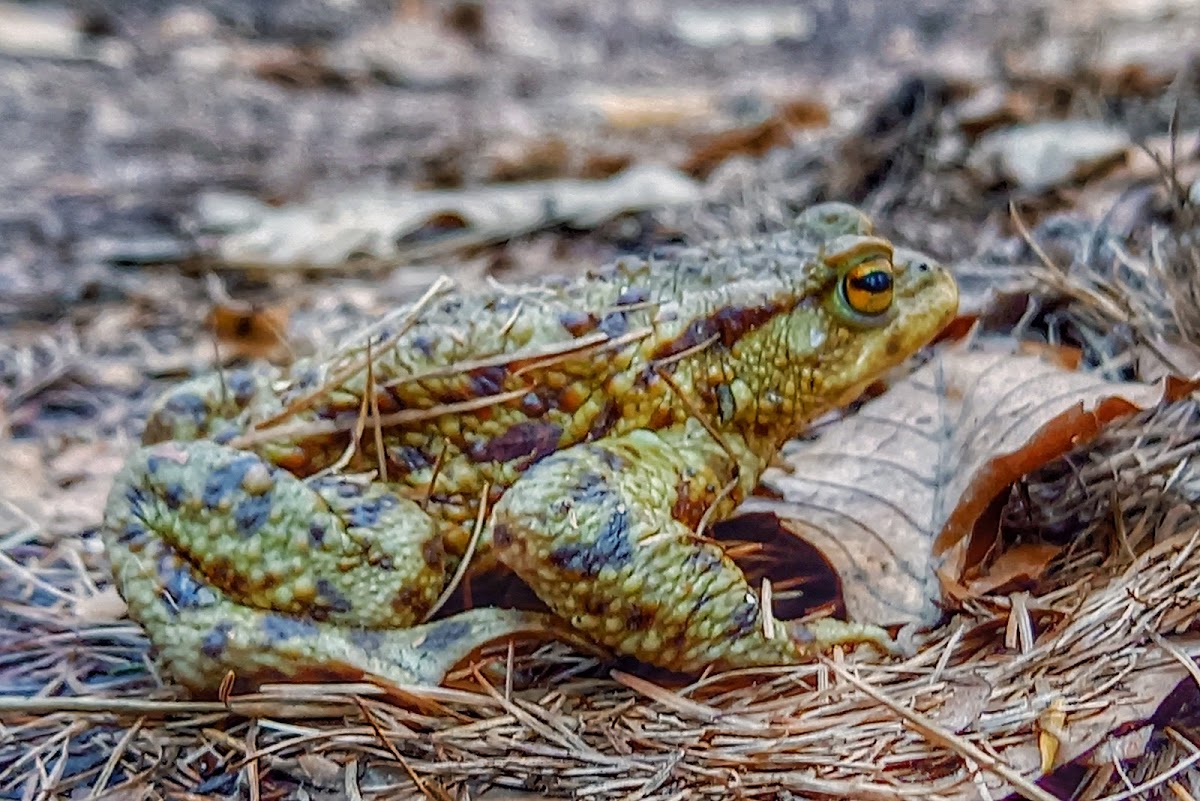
x: 962, y: 714
x: 1093, y: 662
x: 1095, y: 649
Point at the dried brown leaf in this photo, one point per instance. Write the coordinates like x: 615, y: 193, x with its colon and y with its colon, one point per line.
x: 665, y: 109
x: 252, y: 332
x: 884, y: 492
x: 1013, y: 568
x: 755, y: 141
x: 1120, y: 729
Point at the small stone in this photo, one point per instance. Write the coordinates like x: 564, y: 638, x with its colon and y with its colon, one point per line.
x: 742, y: 24
x: 43, y: 32
x: 1046, y: 154
x: 187, y: 24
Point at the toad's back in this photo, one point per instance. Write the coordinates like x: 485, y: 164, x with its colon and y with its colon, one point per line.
x: 474, y: 387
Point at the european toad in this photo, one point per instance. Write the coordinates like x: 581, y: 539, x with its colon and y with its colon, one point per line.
x: 303, y: 524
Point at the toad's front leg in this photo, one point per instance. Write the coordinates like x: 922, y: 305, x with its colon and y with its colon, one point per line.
x: 604, y: 533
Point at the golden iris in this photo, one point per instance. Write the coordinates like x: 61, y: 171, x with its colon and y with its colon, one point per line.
x: 867, y: 287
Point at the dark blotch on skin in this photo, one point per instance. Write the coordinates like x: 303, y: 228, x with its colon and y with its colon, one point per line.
x: 613, y: 460
x: 726, y: 404
x: 728, y: 324
x: 423, y: 344
x: 502, y: 535
x: 330, y: 598
x: 242, y: 384
x: 530, y: 438
x: 365, y: 514
x: 133, y: 534
x: 182, y: 587
x: 251, y: 514
x: 577, y: 323
x: 614, y: 324
x: 280, y: 627
x: 532, y: 405
x: 639, y: 618
x: 187, y: 406
x: 702, y: 560
x: 222, y: 573
x: 223, y: 436
x: 366, y: 639
x: 688, y: 509
x: 216, y: 640
x: 408, y: 601
x: 697, y: 333
x: 590, y: 488
x: 893, y: 346
x: 744, y: 619
x: 611, y: 547
x: 444, y: 634
x: 307, y: 378
x: 137, y: 499
x: 316, y: 533
x: 488, y: 380
x: 225, y: 480
x: 604, y: 421
x: 408, y: 458
x: 174, y: 495
x: 735, y: 322
x: 433, y: 551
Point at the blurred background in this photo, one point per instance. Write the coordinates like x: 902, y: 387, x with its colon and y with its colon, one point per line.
x: 191, y: 183
x: 186, y: 185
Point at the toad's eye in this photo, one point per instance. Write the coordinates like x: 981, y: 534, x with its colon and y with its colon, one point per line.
x: 867, y: 287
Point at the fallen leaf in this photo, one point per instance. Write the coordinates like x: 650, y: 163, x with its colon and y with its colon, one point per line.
x: 40, y: 32
x: 363, y: 226
x: 302, y: 67
x: 804, y: 113
x: 1013, y: 567
x: 80, y: 478
x: 530, y: 160
x: 1052, y: 726
x: 24, y: 487
x: 884, y: 494
x: 742, y: 24
x: 991, y: 107
x: 754, y: 141
x: 1042, y: 155
x: 1120, y: 729
x: 962, y: 702
x: 106, y: 606
x: 665, y: 109
x: 252, y: 332
x: 1065, y: 356
x: 58, y: 495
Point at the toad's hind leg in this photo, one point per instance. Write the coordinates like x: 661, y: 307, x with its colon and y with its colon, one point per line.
x: 234, y: 565
x: 604, y: 533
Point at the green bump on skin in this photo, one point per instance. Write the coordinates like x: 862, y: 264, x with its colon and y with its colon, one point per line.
x: 256, y: 561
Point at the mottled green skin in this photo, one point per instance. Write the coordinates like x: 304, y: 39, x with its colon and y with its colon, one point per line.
x: 603, y: 421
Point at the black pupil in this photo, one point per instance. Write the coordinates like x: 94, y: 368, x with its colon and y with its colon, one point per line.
x: 874, y: 282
